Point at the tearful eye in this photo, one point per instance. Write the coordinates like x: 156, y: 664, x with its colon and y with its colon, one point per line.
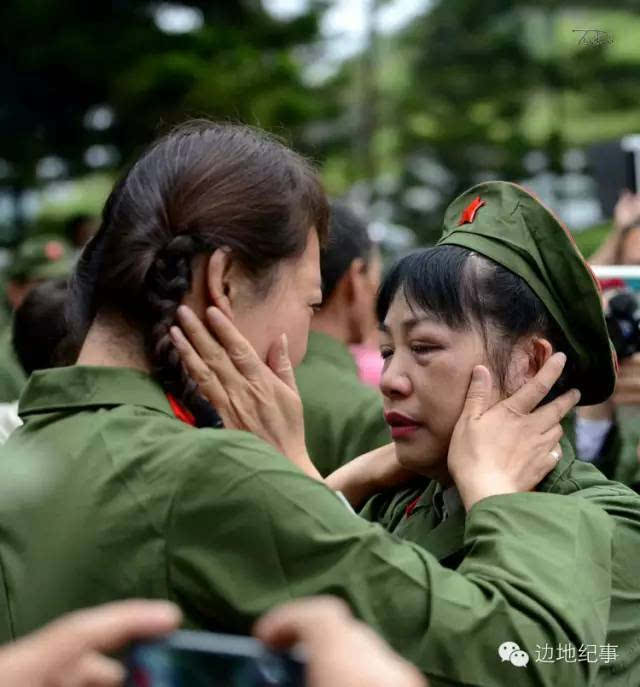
x: 421, y: 349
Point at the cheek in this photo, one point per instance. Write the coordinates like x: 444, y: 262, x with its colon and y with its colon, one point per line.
x: 442, y: 393
x: 297, y: 331
x: 292, y: 320
x: 250, y: 324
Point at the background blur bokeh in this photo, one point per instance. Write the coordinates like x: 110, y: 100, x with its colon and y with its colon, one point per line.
x: 402, y: 103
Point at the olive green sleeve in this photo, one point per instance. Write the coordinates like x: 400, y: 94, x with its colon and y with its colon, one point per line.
x: 248, y: 531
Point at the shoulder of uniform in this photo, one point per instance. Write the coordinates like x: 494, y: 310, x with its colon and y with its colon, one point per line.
x: 587, y: 482
x: 223, y: 449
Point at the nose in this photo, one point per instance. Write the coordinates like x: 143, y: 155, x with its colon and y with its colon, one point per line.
x: 394, y: 382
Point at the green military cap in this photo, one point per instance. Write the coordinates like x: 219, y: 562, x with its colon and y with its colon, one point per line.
x: 41, y: 257
x: 507, y: 224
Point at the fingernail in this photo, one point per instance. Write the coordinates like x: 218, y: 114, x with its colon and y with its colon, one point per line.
x: 174, y: 333
x: 183, y: 311
x: 562, y: 357
x: 213, y: 313
x: 577, y: 394
x: 285, y: 345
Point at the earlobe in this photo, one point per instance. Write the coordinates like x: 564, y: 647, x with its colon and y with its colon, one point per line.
x: 356, y: 274
x: 219, y: 282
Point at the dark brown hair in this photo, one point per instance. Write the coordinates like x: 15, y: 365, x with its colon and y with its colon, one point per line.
x: 202, y: 186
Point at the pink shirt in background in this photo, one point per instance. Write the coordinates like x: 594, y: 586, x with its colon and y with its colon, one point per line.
x: 369, y: 362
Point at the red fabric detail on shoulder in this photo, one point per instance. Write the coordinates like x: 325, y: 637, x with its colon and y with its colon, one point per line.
x: 180, y: 411
x: 469, y: 213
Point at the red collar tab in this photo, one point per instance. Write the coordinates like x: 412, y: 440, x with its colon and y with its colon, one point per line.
x: 469, y: 213
x: 408, y: 511
x: 180, y: 411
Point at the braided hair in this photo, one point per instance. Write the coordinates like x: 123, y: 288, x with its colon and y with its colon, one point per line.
x: 201, y: 187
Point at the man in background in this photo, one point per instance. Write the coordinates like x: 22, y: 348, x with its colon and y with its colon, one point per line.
x: 342, y: 416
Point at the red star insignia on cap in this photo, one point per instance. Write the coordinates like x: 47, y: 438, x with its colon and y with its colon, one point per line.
x: 469, y: 213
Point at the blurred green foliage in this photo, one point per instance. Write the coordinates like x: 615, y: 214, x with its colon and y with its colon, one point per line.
x: 460, y: 95
x: 65, y: 58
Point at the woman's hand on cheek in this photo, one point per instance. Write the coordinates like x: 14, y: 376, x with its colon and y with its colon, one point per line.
x: 507, y: 448
x: 247, y: 394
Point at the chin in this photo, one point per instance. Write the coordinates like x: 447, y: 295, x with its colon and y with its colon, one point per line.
x: 423, y: 461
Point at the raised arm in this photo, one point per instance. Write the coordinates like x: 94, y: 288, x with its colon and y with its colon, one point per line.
x: 249, y: 531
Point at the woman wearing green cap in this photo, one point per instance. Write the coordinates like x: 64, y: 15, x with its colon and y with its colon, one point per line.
x: 504, y: 288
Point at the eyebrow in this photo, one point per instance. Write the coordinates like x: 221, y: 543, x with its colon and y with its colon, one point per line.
x: 407, y: 324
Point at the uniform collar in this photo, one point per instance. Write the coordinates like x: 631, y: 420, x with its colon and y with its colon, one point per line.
x: 323, y: 346
x: 84, y: 386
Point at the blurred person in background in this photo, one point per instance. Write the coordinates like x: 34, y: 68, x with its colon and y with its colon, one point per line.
x: 38, y: 332
x: 110, y: 489
x: 342, y: 417
x: 608, y: 434
x: 34, y: 260
x: 79, y: 228
x: 39, y: 327
x: 622, y: 245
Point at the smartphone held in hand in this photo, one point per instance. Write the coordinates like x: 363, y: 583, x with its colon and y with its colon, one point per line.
x: 205, y: 659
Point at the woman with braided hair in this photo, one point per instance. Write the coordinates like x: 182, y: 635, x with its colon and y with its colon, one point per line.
x: 110, y: 491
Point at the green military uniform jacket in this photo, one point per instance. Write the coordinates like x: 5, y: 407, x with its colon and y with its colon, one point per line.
x: 342, y: 416
x: 106, y: 495
x: 12, y: 376
x: 415, y: 514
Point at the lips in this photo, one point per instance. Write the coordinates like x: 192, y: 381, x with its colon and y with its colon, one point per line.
x: 401, y: 425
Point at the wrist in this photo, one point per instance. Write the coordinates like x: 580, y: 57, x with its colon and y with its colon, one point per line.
x: 302, y: 460
x: 355, y: 480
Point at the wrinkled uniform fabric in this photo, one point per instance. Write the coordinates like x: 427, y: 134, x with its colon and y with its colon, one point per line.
x: 413, y: 515
x: 106, y: 495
